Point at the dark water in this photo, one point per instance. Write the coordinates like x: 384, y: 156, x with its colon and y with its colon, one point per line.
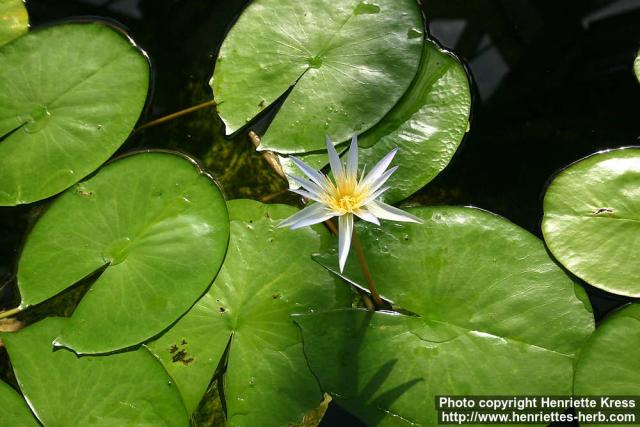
x: 553, y: 83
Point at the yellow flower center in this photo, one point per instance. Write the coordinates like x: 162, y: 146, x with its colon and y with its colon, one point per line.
x: 346, y: 197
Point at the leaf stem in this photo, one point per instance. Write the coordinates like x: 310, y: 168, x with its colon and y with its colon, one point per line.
x: 268, y: 156
x: 9, y: 313
x: 272, y: 196
x: 364, y: 267
x: 177, y: 114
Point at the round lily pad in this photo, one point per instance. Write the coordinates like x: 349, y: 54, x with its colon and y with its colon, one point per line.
x: 69, y: 96
x: 152, y: 226
x: 14, y: 411
x: 636, y: 66
x: 347, y: 63
x: 487, y: 312
x: 613, y: 349
x: 427, y: 125
x: 268, y: 274
x: 591, y: 220
x: 63, y: 390
x: 14, y: 20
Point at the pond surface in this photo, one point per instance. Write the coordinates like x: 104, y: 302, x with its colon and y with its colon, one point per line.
x: 553, y: 82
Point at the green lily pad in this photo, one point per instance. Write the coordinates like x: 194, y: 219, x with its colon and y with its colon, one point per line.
x: 63, y: 390
x: 155, y: 228
x: 267, y: 275
x: 347, y: 61
x: 591, y: 220
x: 427, y: 125
x: 613, y: 349
x: 14, y: 20
x: 636, y: 66
x: 69, y: 97
x: 14, y: 411
x: 494, y: 315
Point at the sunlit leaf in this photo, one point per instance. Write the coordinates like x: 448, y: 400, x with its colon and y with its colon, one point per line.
x: 348, y: 63
x: 494, y: 315
x: 609, y: 363
x: 69, y: 97
x: 591, y: 220
x: 636, y: 66
x: 426, y: 126
x: 158, y: 227
x: 63, y: 390
x: 14, y: 411
x: 14, y: 20
x: 268, y: 274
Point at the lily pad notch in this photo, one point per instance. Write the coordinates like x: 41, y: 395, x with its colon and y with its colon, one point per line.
x: 70, y: 95
x: 267, y: 276
x: 155, y: 222
x: 493, y: 314
x: 348, y: 62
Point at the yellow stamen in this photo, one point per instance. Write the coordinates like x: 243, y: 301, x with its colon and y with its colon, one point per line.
x: 346, y: 197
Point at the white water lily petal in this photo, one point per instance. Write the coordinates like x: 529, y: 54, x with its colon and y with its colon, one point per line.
x: 345, y: 225
x: 352, y: 159
x: 309, y: 186
x: 375, y: 195
x: 334, y: 161
x: 383, y: 178
x: 385, y: 211
x: 310, y: 215
x: 346, y: 195
x: 367, y: 216
x: 380, y: 167
x: 306, y: 194
x: 313, y: 174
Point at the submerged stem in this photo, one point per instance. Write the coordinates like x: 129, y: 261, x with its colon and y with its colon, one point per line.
x: 177, y: 114
x: 364, y: 267
x: 9, y: 313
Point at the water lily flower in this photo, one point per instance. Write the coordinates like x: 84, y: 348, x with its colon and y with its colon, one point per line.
x: 347, y: 197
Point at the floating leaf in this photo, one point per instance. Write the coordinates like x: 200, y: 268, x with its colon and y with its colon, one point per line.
x: 591, y: 220
x: 494, y: 315
x: 14, y: 411
x: 14, y: 20
x: 154, y: 222
x: 63, y: 390
x: 636, y: 66
x: 426, y: 126
x: 347, y: 61
x: 613, y: 349
x: 267, y: 275
x: 69, y: 96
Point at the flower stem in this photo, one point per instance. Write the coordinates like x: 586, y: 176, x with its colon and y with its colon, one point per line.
x: 9, y: 313
x: 177, y: 114
x: 363, y: 266
x: 365, y: 270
